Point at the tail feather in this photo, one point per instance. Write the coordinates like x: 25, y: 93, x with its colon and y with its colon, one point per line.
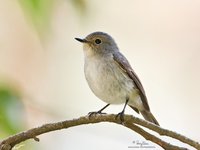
x: 149, y: 117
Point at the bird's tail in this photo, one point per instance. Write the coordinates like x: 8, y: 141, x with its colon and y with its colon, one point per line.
x: 149, y: 116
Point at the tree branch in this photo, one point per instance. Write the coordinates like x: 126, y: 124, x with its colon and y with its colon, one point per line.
x: 129, y: 122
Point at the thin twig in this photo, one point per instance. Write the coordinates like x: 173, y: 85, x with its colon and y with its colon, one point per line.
x: 151, y: 137
x: 165, y: 132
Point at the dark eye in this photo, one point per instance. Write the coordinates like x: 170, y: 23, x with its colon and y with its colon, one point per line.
x: 97, y: 41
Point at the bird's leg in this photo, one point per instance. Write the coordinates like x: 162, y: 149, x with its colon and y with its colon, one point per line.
x: 121, y: 114
x: 98, y: 112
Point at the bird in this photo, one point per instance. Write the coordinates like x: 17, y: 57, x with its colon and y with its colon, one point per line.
x: 111, y: 77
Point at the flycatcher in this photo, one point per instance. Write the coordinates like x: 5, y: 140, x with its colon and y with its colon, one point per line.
x: 111, y: 77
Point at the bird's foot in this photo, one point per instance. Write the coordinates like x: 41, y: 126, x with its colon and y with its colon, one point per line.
x: 94, y: 113
x: 121, y: 116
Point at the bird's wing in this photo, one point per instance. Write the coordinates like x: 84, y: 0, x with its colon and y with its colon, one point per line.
x: 126, y: 67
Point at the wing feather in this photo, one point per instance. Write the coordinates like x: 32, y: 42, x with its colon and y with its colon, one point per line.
x: 126, y: 67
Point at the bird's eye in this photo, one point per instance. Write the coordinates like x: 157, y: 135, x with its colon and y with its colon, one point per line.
x: 97, y: 41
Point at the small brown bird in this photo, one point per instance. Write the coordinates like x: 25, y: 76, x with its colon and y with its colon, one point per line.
x: 111, y: 77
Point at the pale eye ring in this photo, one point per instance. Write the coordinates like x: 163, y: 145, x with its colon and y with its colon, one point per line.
x: 97, y: 41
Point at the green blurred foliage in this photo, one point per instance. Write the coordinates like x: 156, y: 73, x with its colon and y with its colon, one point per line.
x: 80, y: 5
x: 12, y: 112
x: 39, y: 12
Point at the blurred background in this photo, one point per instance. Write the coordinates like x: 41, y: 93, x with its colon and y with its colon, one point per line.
x: 41, y: 67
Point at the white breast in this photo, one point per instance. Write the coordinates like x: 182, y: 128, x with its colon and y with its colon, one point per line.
x: 107, y: 80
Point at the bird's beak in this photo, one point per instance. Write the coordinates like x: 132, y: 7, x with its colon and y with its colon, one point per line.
x: 81, y: 40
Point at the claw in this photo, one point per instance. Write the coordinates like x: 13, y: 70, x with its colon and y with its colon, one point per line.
x: 95, y: 113
x: 98, y: 112
x: 121, y: 116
